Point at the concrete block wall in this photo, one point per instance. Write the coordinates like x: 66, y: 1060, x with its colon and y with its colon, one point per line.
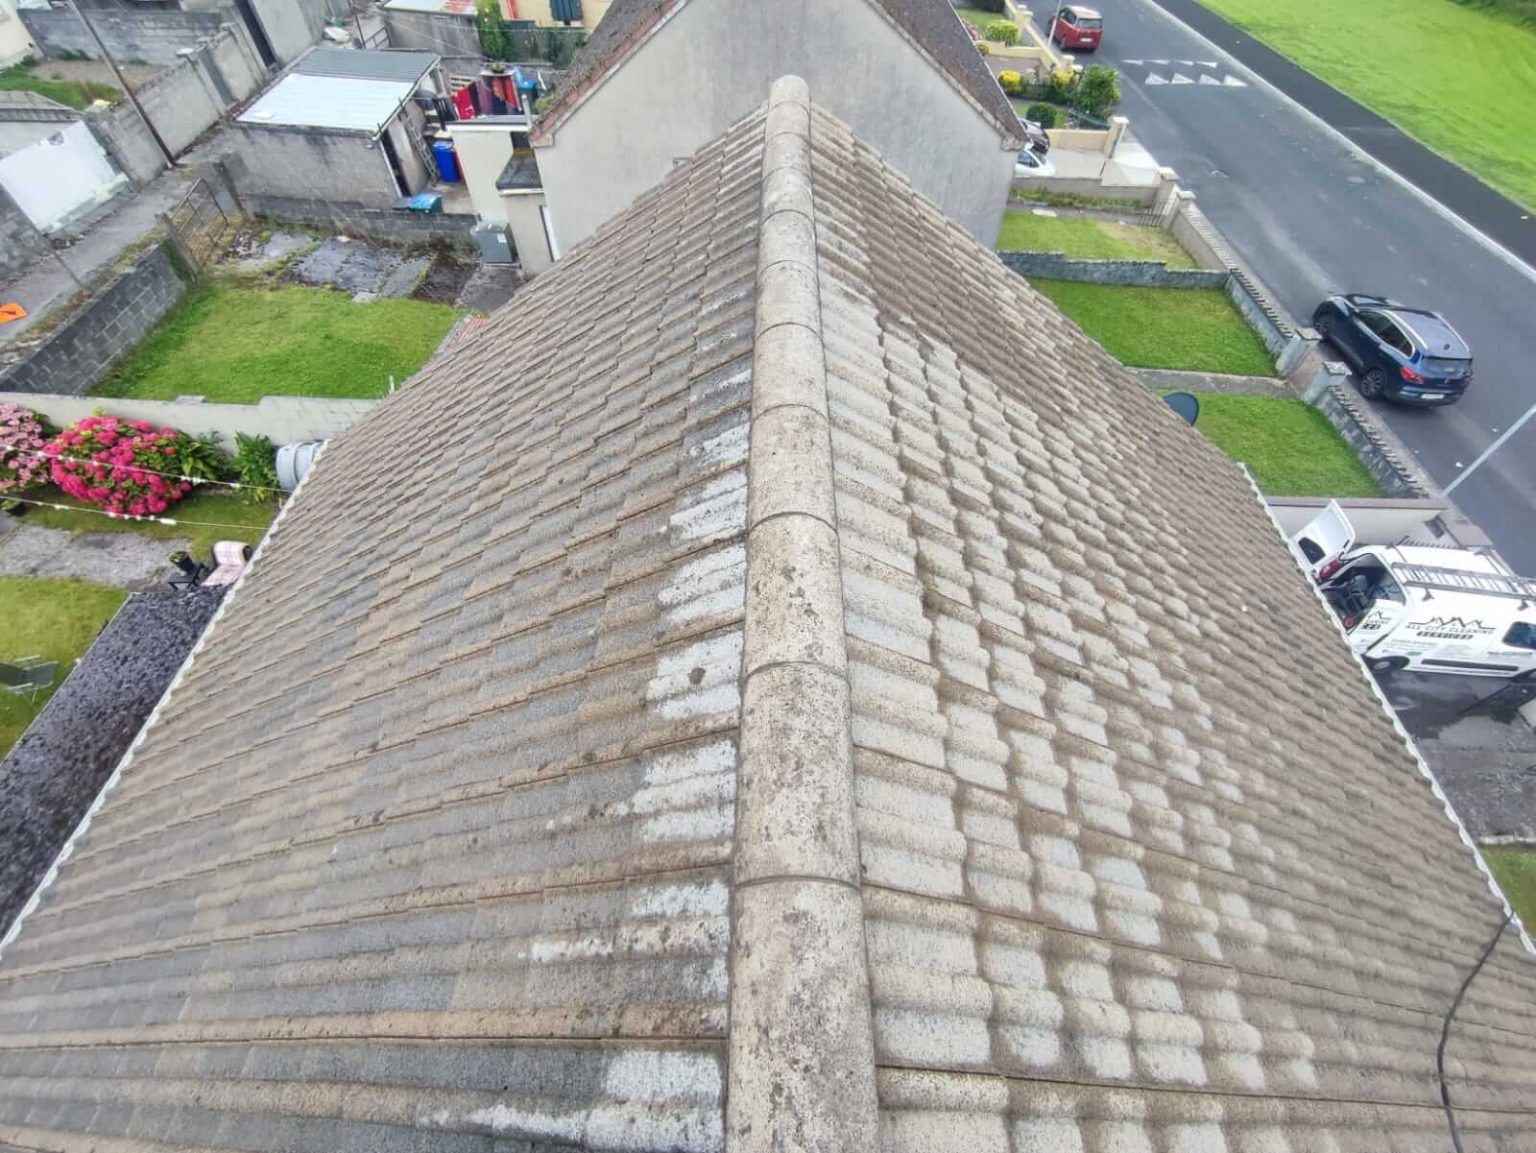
x: 309, y: 164
x: 1260, y: 311
x: 1389, y: 467
x: 81, y: 350
x: 150, y: 37
x: 1089, y: 187
x: 384, y: 224
x: 20, y: 243
x: 283, y: 419
x: 184, y: 101
x: 1146, y: 273
x: 432, y: 32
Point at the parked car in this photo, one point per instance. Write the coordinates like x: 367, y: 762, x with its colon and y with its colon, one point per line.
x: 1035, y: 136
x: 1031, y: 163
x: 1405, y: 354
x: 1076, y: 28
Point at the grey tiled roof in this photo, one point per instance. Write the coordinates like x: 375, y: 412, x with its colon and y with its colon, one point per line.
x: 778, y: 580
x: 931, y: 25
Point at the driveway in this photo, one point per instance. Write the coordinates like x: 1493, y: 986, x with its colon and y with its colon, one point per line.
x: 1311, y: 214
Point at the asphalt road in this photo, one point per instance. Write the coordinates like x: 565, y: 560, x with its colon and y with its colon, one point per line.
x: 1311, y: 215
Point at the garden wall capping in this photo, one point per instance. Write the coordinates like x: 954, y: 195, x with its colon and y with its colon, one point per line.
x: 386, y: 224
x: 282, y: 419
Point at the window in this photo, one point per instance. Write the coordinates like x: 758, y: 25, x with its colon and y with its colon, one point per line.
x: 1395, y: 338
x: 1521, y: 635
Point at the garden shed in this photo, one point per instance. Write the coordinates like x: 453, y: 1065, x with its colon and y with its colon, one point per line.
x: 342, y: 125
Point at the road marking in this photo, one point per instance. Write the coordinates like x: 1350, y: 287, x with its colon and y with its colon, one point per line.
x: 1157, y: 62
x: 1208, y: 63
x: 1208, y: 79
x: 1128, y: 60
x: 1233, y: 82
x: 1154, y: 78
x: 1459, y: 222
x: 1180, y: 78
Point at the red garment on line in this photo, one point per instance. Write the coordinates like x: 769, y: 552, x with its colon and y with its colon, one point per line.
x: 463, y: 104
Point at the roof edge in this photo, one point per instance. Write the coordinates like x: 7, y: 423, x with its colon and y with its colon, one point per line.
x: 126, y: 760
x: 801, y: 1056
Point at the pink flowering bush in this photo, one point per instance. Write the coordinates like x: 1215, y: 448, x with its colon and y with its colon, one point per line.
x: 105, y: 462
x: 22, y: 438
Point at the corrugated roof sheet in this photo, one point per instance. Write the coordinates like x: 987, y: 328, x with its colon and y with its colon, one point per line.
x: 434, y: 846
x: 450, y: 7
x: 366, y: 64
x: 301, y: 101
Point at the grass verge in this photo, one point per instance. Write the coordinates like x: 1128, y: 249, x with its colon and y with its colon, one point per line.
x: 75, y: 93
x: 53, y: 619
x: 1194, y: 329
x: 1430, y: 64
x: 976, y: 18
x: 237, y: 344
x: 223, y: 508
x: 1290, y: 447
x: 1515, y: 870
x: 1089, y: 239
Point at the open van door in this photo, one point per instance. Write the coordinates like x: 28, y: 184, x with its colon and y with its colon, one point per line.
x: 1324, y: 538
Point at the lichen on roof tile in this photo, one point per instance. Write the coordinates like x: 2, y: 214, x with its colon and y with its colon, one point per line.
x: 794, y: 630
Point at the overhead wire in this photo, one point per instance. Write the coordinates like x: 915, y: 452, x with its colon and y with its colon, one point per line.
x: 170, y: 520
x: 1445, y: 1031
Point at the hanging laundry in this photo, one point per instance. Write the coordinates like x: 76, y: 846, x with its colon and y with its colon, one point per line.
x: 464, y: 102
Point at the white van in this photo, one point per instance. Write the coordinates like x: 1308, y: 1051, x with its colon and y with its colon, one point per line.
x: 1445, y: 610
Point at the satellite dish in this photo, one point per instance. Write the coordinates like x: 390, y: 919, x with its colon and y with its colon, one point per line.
x: 1186, y: 404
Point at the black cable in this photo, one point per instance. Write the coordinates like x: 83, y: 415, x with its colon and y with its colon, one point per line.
x: 1445, y: 1031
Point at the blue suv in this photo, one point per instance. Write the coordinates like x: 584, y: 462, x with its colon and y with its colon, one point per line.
x: 1410, y: 355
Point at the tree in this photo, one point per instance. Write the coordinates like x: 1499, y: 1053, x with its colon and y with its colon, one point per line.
x: 492, y: 29
x: 1098, y: 90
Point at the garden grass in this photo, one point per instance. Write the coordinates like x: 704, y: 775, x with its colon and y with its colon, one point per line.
x: 75, y: 93
x: 236, y: 344
x: 1515, y: 870
x: 53, y: 619
x: 1090, y: 239
x: 978, y: 19
x: 1288, y: 445
x: 226, y: 517
x: 1460, y: 79
x: 1194, y: 329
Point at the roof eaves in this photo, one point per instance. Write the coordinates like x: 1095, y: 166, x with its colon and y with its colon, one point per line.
x: 181, y: 674
x: 1425, y: 771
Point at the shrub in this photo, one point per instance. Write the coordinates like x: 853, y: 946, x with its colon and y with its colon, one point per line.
x: 105, y: 462
x: 981, y: 46
x: 1001, y: 32
x: 201, y: 458
x: 256, y: 462
x: 1098, y: 90
x: 1044, y: 115
x: 989, y: 6
x: 22, y: 440
x: 1011, y: 83
x: 492, y: 29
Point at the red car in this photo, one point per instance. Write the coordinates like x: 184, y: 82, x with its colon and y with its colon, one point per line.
x: 1077, y: 29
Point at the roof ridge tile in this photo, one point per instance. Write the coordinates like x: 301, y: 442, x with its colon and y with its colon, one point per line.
x: 801, y: 1062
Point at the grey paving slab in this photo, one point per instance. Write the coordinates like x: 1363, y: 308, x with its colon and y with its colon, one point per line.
x: 120, y: 559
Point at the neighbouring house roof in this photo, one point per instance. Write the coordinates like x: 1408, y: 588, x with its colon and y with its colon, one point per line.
x: 777, y: 650
x: 931, y: 25
x: 301, y: 101
x: 366, y: 64
x: 521, y: 173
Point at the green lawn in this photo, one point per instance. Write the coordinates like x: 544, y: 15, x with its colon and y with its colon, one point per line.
x: 238, y: 344
x: 1460, y: 79
x: 54, y: 619
x: 1290, y: 447
x: 222, y: 507
x: 1515, y: 870
x: 978, y: 19
x: 1195, y: 329
x: 1089, y: 239
x: 24, y: 78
